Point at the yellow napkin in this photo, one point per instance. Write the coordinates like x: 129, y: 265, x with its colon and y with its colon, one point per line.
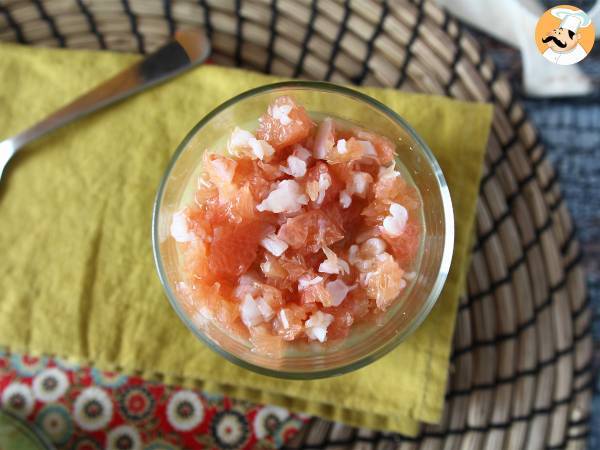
x: 78, y: 280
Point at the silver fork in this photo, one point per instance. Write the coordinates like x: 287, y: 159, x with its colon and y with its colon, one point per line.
x: 188, y: 49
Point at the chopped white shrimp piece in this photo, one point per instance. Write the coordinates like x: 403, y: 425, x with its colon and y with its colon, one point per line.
x: 242, y: 139
x: 395, y: 223
x: 388, y: 172
x: 324, y: 184
x: 265, y: 267
x: 324, y: 139
x: 353, y: 254
x: 306, y: 281
x: 239, y: 139
x: 359, y: 184
x: 247, y: 284
x: 281, y: 113
x: 316, y: 326
x: 338, y: 291
x: 328, y: 266
x: 368, y: 148
x: 251, y: 315
x: 345, y: 199
x: 333, y: 264
x: 261, y: 149
x: 180, y: 229
x: 341, y: 146
x: 284, y: 320
x: 373, y: 247
x: 273, y: 244
x: 286, y: 197
x: 265, y: 309
x: 296, y: 167
x: 301, y: 152
x: 222, y: 169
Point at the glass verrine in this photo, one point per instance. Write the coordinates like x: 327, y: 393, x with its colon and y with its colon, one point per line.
x: 369, y: 341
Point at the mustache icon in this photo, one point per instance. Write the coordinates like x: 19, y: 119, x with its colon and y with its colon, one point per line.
x: 556, y: 41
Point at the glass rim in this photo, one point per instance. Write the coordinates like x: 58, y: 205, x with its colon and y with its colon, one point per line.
x: 436, y: 288
x: 31, y: 430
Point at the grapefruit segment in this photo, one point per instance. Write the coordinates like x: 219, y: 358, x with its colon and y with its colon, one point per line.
x: 234, y: 248
x: 284, y: 124
x: 384, y: 148
x: 310, y: 231
x: 348, y: 150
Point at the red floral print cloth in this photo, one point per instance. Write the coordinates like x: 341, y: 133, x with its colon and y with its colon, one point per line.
x: 82, y: 408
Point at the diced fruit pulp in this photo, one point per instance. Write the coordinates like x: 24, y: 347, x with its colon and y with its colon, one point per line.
x: 303, y: 231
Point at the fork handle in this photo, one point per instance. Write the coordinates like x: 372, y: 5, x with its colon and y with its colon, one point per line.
x: 166, y: 62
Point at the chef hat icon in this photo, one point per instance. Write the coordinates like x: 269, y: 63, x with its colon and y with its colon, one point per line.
x: 571, y: 20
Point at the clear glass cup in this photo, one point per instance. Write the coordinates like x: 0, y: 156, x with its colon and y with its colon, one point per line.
x: 368, y: 342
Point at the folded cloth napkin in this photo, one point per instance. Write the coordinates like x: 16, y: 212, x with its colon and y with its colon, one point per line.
x: 78, y: 276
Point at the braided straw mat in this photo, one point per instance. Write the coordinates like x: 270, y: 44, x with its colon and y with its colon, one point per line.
x: 521, y: 365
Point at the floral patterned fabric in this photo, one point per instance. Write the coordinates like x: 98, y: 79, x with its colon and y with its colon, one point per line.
x: 82, y: 408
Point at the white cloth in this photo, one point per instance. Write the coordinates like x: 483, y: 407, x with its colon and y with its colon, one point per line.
x: 566, y: 58
x: 513, y: 22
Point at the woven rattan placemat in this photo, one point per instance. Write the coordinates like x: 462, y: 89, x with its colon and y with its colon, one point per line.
x: 521, y: 366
